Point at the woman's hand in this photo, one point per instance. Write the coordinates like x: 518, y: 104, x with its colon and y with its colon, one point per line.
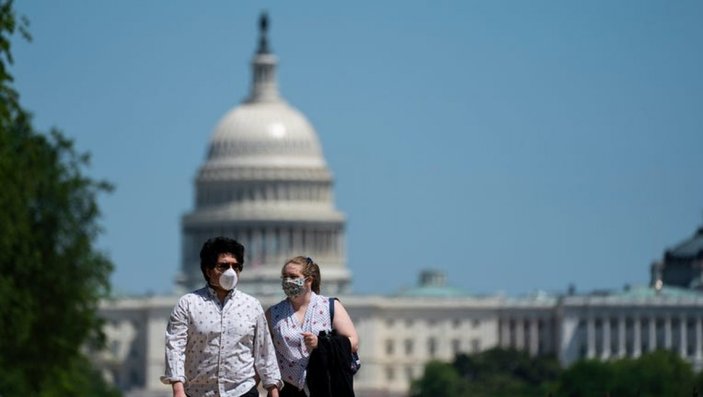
x: 310, y: 340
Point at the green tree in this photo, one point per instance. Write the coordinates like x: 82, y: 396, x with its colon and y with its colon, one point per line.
x: 51, y: 276
x: 660, y: 373
x: 587, y: 378
x: 439, y: 380
x: 493, y: 373
x: 507, y: 372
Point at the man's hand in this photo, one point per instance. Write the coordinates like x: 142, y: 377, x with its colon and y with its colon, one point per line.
x: 272, y: 391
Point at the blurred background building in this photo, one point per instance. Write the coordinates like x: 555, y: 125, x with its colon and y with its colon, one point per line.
x: 265, y: 182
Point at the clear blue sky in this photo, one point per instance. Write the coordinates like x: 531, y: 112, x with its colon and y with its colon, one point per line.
x: 517, y: 145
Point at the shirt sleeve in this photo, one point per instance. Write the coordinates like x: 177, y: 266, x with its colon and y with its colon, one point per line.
x: 265, y: 354
x: 176, y: 339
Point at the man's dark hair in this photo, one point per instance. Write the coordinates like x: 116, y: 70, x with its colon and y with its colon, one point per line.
x: 216, y: 246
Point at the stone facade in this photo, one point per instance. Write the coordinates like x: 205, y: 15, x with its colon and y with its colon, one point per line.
x: 266, y: 183
x: 400, y: 334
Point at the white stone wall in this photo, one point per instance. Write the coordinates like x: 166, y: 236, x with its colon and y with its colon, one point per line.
x: 399, y: 335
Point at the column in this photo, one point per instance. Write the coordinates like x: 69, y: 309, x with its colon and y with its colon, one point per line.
x: 505, y: 333
x: 297, y: 241
x: 328, y: 243
x: 699, y: 336
x: 519, y: 334
x: 605, y: 325
x: 636, y: 337
x: 340, y: 243
x: 652, y: 334
x: 667, y: 332
x: 534, y: 337
x: 683, y: 337
x: 621, y: 336
x: 264, y: 245
x: 590, y: 337
x: 256, y: 248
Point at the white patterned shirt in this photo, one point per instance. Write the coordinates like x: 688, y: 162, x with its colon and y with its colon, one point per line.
x: 215, y: 349
x: 287, y: 332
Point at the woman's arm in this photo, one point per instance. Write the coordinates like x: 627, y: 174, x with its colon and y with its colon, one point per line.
x: 344, y: 325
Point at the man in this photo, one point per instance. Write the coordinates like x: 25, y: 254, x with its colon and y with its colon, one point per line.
x: 217, y: 339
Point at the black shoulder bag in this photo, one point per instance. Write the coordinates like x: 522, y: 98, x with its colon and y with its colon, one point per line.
x: 355, y: 361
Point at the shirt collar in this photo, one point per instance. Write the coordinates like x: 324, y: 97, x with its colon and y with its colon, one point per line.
x: 213, y: 294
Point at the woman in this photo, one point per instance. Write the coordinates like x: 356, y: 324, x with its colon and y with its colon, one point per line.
x: 297, y: 320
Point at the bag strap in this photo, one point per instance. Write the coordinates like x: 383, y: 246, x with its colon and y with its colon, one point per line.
x: 331, y: 300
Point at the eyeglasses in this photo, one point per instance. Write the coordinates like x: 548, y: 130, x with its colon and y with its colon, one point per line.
x: 223, y: 266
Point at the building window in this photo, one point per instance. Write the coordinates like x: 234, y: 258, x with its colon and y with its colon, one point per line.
x: 408, y: 347
x: 409, y: 373
x: 456, y: 323
x: 456, y: 346
x: 390, y: 373
x: 389, y: 347
x: 475, y: 323
x: 432, y: 347
x: 475, y: 345
x: 390, y: 322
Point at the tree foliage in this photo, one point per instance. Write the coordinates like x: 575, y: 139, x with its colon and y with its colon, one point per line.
x: 499, y: 372
x: 439, y: 380
x: 51, y: 276
x: 660, y: 373
x: 493, y: 373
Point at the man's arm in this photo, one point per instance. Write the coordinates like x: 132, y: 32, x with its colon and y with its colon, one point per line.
x: 265, y: 360
x: 176, y: 339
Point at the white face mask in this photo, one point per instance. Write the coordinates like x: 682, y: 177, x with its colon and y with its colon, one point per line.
x: 228, y: 279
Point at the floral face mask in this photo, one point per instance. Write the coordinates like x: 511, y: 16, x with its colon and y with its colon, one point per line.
x: 293, y: 286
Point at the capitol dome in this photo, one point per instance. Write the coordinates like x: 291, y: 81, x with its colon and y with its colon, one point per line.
x: 265, y: 134
x: 265, y: 182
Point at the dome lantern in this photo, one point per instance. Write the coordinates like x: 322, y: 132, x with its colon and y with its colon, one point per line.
x: 264, y: 87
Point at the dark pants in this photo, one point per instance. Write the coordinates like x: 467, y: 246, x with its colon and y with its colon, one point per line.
x: 291, y: 391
